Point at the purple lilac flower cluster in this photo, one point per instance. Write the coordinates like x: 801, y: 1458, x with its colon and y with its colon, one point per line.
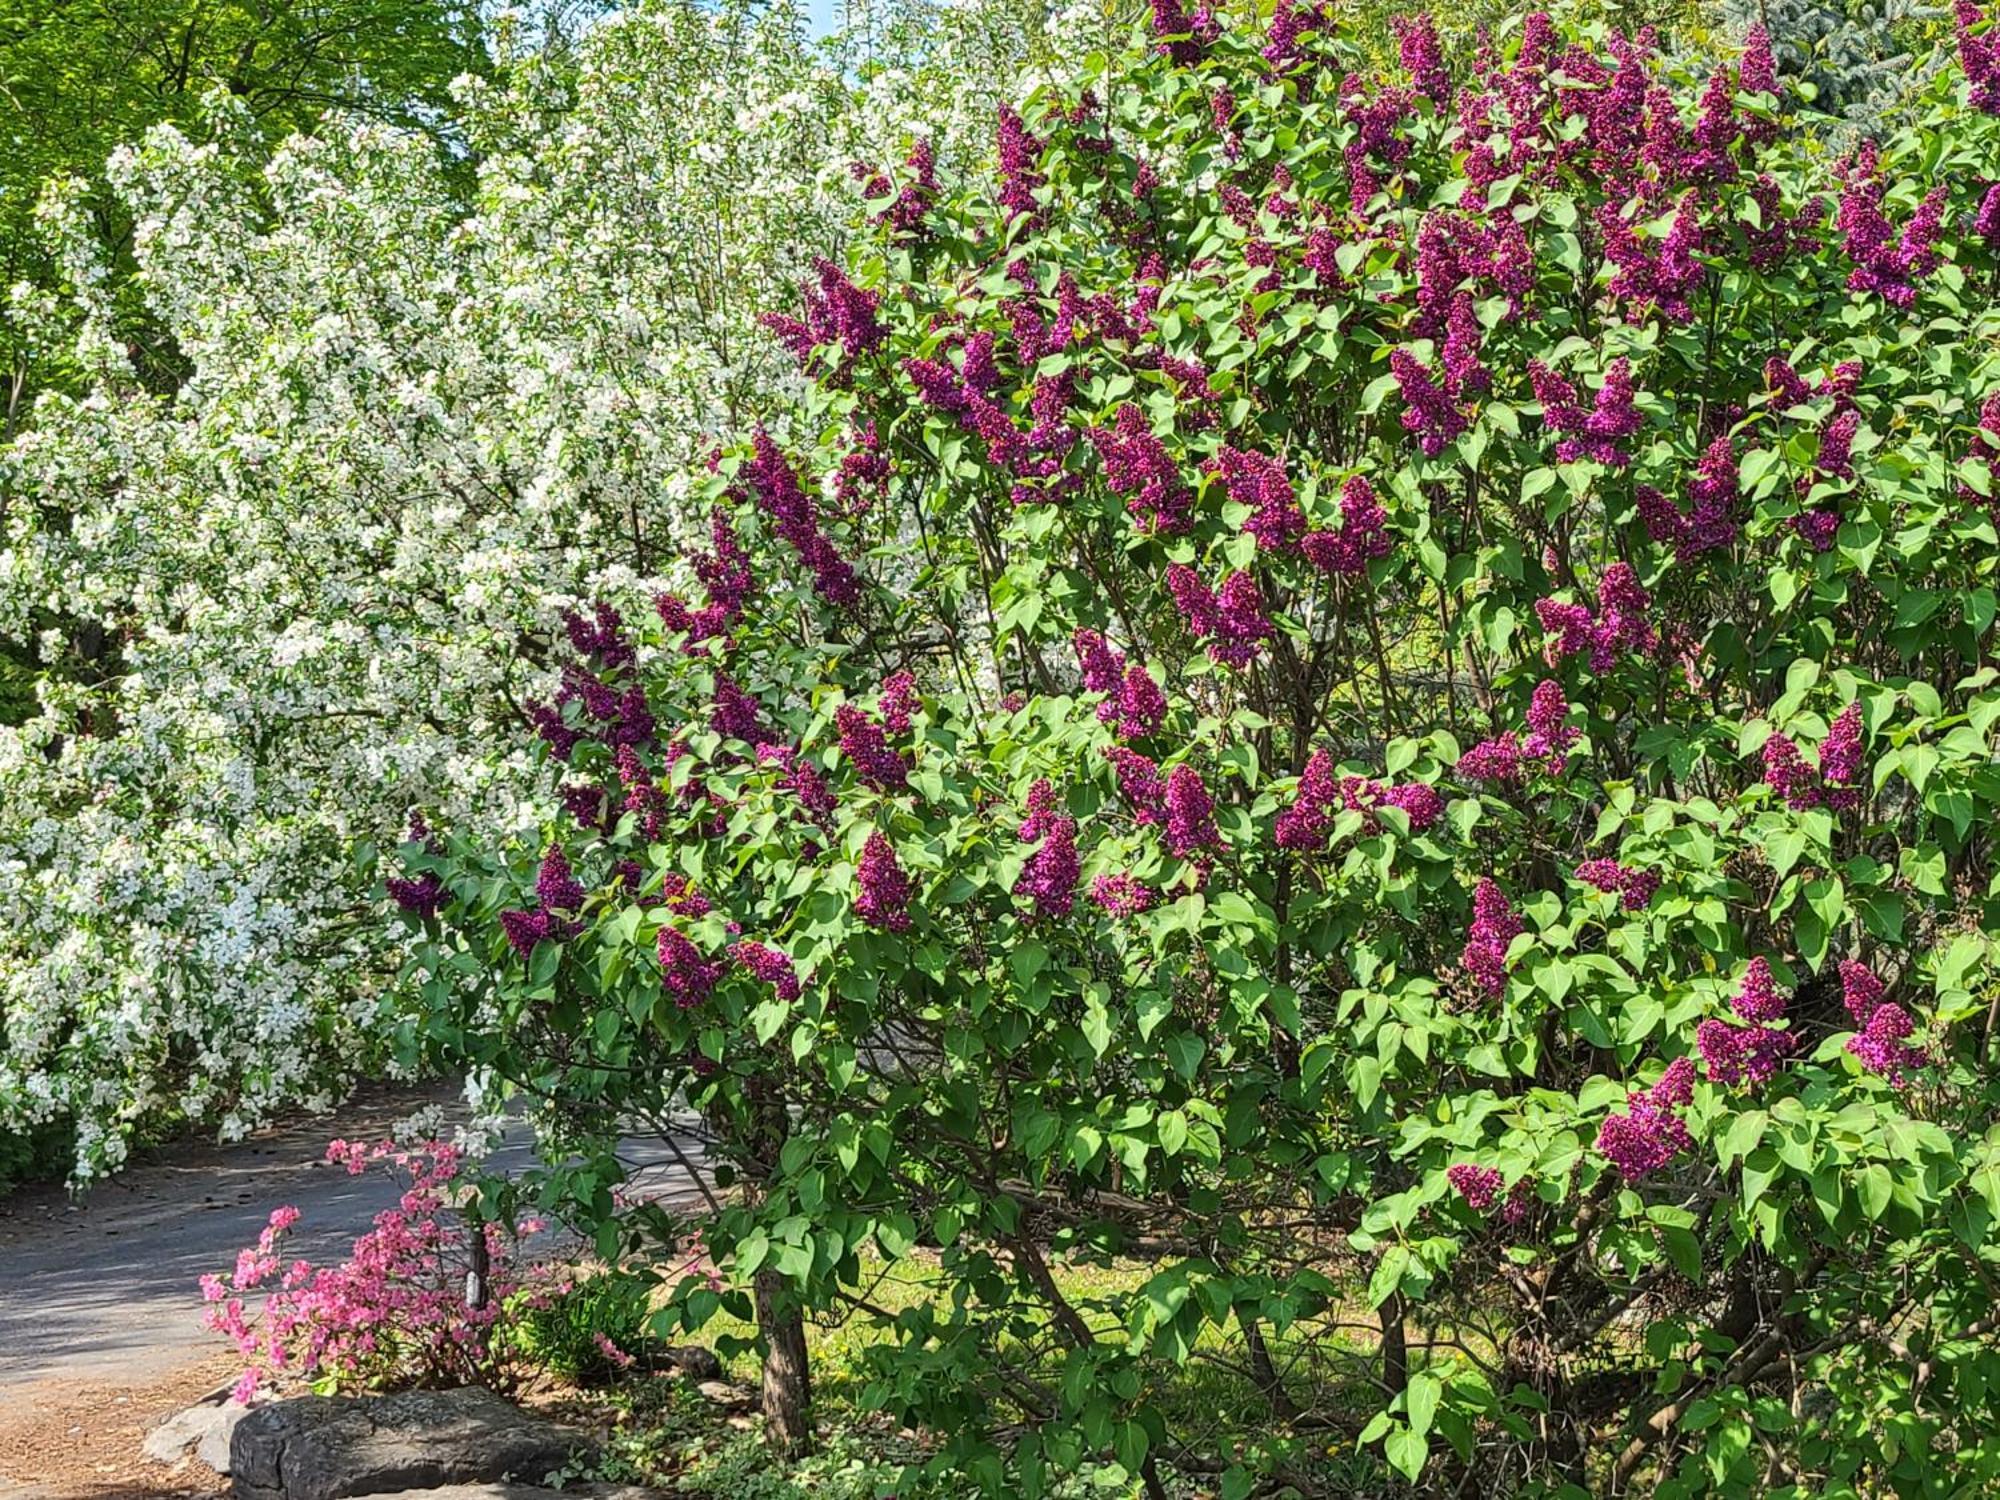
x: 899, y: 702
x: 907, y: 205
x: 1133, y: 704
x: 1650, y: 1133
x: 863, y: 747
x: 792, y: 513
x: 1478, y: 1186
x: 1884, y: 261
x: 687, y: 977
x: 1979, y: 56
x: 1430, y: 412
x: 1505, y: 757
x: 884, y: 900
x: 839, y: 314
x: 421, y: 895
x: 864, y: 473
x: 1020, y: 151
x: 1710, y: 523
x: 1750, y: 1053
x: 1121, y: 895
x: 1634, y: 888
x: 1619, y: 623
x: 1230, y: 619
x: 1138, y: 466
x: 1363, y: 536
x: 725, y: 572
x: 1495, y: 925
x: 1323, y: 793
x: 1258, y: 481
x: 557, y: 891
x: 1597, y: 435
x: 1189, y: 814
x: 766, y: 963
x: 1836, y: 782
x: 1882, y: 1027
x: 737, y: 715
x: 1049, y: 879
x: 600, y: 636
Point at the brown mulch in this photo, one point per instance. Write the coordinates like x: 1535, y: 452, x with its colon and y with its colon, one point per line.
x: 72, y: 1440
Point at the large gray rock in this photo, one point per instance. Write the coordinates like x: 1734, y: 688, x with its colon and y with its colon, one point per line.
x: 331, y: 1447
x: 206, y: 1427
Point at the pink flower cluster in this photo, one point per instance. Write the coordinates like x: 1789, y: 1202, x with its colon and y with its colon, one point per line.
x: 421, y: 894
x: 908, y: 205
x: 1049, y: 879
x: 1650, y: 1133
x: 1750, y: 1053
x: 395, y: 1310
x: 1478, y: 1186
x: 1258, y: 481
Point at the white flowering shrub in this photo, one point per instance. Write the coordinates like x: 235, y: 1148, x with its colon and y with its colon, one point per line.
x: 308, y: 591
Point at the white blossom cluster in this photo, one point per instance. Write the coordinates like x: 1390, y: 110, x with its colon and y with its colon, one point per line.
x: 307, y: 591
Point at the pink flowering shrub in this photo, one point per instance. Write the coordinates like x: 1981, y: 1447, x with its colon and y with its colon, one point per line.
x: 1407, y: 725
x: 396, y: 1312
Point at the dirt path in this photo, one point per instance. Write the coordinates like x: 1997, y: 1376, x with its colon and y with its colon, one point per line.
x: 100, y: 1313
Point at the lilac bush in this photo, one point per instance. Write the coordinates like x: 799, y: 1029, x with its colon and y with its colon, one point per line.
x: 1482, y: 578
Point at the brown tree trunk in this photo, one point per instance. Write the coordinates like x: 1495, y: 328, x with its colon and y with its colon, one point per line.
x: 787, y: 1389
x: 1263, y: 1371
x: 1395, y: 1346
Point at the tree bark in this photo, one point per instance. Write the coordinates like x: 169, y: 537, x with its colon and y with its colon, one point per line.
x: 787, y: 1387
x: 1263, y: 1370
x: 1395, y: 1346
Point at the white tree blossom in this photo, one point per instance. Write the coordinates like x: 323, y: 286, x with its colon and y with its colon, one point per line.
x: 307, y: 591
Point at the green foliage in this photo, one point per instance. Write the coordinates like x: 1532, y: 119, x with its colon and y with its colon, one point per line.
x: 1857, y: 60
x: 83, y: 79
x: 1565, y: 566
x: 36, y: 1155
x: 559, y: 1331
